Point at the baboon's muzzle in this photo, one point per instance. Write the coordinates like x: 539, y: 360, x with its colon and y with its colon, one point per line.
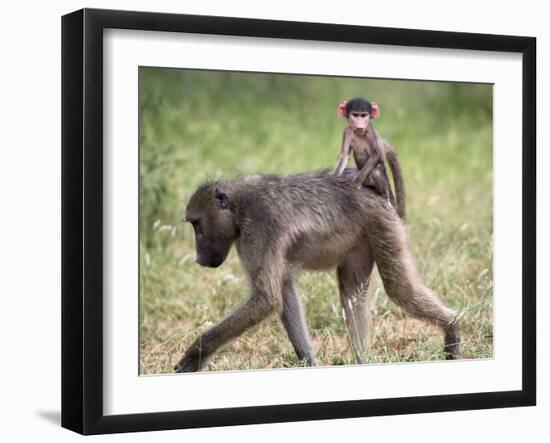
x: 211, y: 261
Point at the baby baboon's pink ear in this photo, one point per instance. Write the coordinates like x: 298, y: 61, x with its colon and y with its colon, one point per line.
x: 342, y: 108
x: 375, y: 113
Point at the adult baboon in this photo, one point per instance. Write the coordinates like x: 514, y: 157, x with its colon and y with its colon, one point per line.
x: 306, y: 221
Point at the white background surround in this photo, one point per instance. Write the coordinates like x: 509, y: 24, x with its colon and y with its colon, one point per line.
x: 30, y: 235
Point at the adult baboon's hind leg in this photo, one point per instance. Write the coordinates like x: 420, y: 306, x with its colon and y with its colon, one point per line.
x: 407, y: 290
x: 422, y: 303
x: 294, y: 322
x: 389, y: 242
x: 354, y: 275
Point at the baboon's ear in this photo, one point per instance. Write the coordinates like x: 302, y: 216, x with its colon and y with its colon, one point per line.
x: 221, y: 198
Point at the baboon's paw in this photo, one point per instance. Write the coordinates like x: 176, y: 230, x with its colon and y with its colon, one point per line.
x: 184, y: 366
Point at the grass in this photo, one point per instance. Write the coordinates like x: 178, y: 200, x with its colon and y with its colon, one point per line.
x: 196, y: 125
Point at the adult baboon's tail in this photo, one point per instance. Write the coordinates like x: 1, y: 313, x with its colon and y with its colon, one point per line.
x: 393, y: 160
x: 389, y: 242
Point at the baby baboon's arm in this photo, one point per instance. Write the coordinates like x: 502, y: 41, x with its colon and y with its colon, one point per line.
x: 376, y: 156
x: 344, y: 154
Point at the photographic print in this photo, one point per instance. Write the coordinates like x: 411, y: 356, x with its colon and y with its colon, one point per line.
x: 274, y: 213
x: 296, y: 220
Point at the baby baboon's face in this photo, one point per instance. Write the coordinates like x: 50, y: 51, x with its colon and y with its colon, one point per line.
x: 209, y: 213
x: 359, y: 121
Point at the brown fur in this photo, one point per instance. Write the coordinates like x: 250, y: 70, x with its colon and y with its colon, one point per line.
x: 370, y: 152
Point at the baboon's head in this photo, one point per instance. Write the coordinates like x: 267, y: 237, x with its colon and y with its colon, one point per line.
x: 212, y: 215
x: 359, y: 112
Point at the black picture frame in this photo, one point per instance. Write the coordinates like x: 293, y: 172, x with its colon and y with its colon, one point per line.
x: 82, y: 219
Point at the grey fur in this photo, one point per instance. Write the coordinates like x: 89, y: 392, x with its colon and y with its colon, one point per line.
x: 295, y: 325
x: 306, y: 221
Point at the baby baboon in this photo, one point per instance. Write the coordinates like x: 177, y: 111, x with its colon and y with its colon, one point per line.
x: 306, y: 221
x: 370, y: 152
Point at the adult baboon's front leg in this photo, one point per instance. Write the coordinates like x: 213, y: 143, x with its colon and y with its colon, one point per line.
x: 295, y: 324
x: 258, y: 307
x: 353, y: 279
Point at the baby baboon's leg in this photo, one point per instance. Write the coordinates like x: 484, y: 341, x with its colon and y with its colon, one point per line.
x: 378, y: 179
x: 295, y: 324
x: 265, y: 299
x: 353, y: 279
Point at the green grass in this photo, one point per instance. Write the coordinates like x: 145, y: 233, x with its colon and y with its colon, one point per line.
x: 196, y: 125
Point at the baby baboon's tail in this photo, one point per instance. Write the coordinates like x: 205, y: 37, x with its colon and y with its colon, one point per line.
x: 393, y: 160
